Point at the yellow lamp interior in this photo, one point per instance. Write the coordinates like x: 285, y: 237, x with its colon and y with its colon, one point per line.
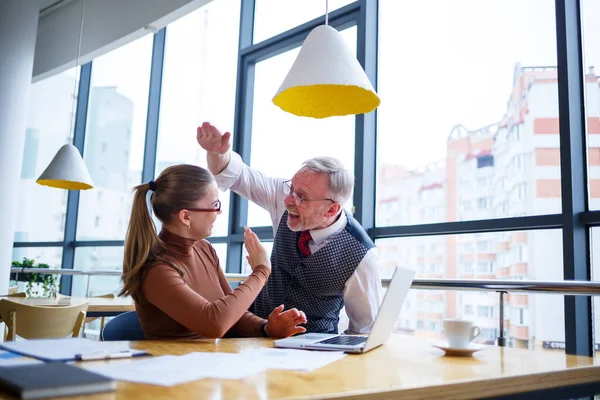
x: 322, y: 101
x: 62, y: 184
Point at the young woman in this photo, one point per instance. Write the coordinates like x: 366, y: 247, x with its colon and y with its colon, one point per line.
x: 180, y: 292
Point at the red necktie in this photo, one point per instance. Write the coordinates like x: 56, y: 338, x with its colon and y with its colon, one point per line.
x: 303, y: 243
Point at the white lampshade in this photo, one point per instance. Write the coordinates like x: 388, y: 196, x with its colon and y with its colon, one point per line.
x: 326, y: 79
x: 67, y: 171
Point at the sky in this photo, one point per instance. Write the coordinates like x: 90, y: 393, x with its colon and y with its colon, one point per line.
x: 444, y: 63
x: 441, y: 63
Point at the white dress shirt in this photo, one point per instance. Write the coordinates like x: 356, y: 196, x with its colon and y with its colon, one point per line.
x: 362, y: 291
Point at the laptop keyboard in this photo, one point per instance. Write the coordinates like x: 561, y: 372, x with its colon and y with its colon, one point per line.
x: 345, y: 340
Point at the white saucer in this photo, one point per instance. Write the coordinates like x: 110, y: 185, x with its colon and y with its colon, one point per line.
x: 458, y: 351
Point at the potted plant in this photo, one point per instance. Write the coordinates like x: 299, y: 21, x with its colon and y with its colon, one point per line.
x: 38, y: 285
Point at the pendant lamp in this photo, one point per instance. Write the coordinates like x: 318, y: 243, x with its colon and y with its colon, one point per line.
x: 67, y: 169
x: 326, y: 79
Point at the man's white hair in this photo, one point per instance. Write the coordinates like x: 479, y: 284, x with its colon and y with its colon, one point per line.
x: 341, y: 180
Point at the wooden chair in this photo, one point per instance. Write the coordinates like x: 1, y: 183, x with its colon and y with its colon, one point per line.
x: 37, y: 322
x: 17, y: 294
x: 102, y: 319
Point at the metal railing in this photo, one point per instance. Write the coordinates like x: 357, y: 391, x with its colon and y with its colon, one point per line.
x: 502, y: 287
x: 584, y: 288
x: 59, y: 271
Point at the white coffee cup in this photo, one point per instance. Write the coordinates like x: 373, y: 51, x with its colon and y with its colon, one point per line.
x: 460, y: 332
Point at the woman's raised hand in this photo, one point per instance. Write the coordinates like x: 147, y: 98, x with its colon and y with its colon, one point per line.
x: 257, y: 254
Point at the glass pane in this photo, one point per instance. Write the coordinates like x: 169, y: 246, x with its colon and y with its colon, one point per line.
x: 198, y: 85
x: 282, y: 141
x: 497, y: 255
x: 518, y: 255
x: 272, y: 17
x: 114, y: 139
x: 41, y: 255
x: 534, y: 322
x: 97, y: 259
x: 41, y: 209
x: 46, y: 255
x: 245, y: 266
x: 221, y: 249
x: 591, y: 51
x: 468, y: 122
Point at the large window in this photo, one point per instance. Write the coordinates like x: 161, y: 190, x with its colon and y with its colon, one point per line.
x: 282, y: 141
x: 468, y: 122
x: 114, y: 139
x: 198, y: 85
x: 41, y: 212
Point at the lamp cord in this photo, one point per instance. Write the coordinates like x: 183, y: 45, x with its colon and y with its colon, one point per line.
x: 77, y: 71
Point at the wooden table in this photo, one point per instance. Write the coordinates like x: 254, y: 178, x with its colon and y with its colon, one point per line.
x: 98, y: 306
x: 406, y: 368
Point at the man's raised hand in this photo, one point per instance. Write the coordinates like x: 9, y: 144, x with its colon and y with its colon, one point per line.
x: 212, y: 140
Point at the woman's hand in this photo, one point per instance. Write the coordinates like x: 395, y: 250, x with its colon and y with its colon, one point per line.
x: 282, y: 324
x: 257, y: 254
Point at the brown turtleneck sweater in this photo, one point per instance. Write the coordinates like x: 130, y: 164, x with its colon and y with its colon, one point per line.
x: 201, y: 303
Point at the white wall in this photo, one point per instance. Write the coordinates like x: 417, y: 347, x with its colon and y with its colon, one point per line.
x: 18, y: 22
x: 107, y: 24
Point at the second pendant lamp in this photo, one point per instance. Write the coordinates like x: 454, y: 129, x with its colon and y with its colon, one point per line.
x: 326, y: 79
x: 67, y: 169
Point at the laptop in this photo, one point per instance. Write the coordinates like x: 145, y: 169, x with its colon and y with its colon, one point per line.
x: 380, y: 332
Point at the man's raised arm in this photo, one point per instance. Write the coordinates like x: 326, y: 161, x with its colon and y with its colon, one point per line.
x: 231, y: 173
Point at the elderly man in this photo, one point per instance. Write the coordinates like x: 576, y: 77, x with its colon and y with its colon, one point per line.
x: 322, y: 259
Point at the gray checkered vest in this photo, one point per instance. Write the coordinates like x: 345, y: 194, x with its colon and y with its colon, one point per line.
x: 313, y: 284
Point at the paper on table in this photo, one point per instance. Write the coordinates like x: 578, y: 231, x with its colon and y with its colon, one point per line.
x: 8, y: 359
x: 162, y: 371
x: 65, y: 349
x: 223, y: 365
x: 303, y: 360
x: 174, y: 370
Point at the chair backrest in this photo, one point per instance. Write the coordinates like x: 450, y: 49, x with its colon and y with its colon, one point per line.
x: 101, y: 296
x: 17, y: 294
x: 41, y: 322
x: 105, y: 296
x: 124, y: 326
